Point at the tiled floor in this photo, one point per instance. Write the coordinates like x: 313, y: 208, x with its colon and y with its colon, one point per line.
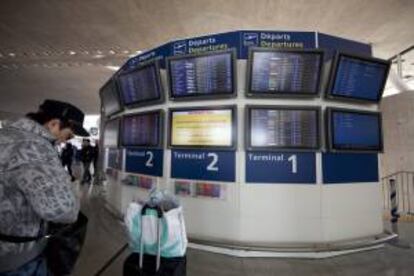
x: 105, y: 238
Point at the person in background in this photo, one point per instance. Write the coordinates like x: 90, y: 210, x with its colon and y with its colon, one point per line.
x: 87, y: 153
x: 67, y: 159
x: 95, y: 158
x: 34, y: 187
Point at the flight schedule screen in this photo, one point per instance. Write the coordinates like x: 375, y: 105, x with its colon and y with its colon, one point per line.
x: 111, y: 134
x: 110, y: 99
x: 359, y: 78
x: 357, y: 131
x: 203, y: 75
x: 141, y: 130
x: 284, y: 128
x: 285, y: 72
x: 140, y: 85
x: 202, y: 128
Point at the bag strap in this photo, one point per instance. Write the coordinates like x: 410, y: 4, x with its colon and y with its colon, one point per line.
x: 20, y: 239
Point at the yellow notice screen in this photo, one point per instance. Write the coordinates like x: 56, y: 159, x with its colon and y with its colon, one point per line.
x: 201, y: 128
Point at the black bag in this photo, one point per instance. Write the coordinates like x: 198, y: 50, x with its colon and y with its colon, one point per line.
x: 169, y: 266
x: 65, y: 244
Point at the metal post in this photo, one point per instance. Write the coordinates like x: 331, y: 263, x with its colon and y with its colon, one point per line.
x: 394, y: 217
x: 394, y: 207
x: 399, y: 66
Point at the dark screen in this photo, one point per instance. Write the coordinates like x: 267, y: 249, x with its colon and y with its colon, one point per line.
x: 140, y: 85
x: 204, y: 75
x: 284, y: 128
x: 356, y: 131
x: 111, y: 133
x: 285, y: 72
x: 110, y: 99
x: 141, y: 130
x: 358, y: 78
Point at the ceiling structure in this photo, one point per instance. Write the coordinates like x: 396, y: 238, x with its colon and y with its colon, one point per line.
x: 61, y: 49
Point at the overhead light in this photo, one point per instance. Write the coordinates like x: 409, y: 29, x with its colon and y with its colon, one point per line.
x: 135, y: 54
x: 98, y: 56
x: 112, y: 68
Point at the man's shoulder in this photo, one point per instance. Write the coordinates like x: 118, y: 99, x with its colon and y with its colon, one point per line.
x: 18, y: 147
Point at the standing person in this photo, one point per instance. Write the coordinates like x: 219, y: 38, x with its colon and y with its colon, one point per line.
x: 34, y: 187
x: 95, y: 158
x: 67, y: 159
x: 87, y: 158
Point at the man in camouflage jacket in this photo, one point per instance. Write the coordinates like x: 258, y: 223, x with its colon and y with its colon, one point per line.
x: 34, y: 187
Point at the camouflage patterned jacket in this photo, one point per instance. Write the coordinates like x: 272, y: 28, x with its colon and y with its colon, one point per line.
x: 33, y: 183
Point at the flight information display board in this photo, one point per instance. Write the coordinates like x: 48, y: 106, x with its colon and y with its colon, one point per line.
x: 111, y: 134
x: 110, y: 98
x: 359, y: 78
x: 284, y: 72
x: 207, y: 75
x: 282, y: 127
x: 141, y: 86
x: 354, y: 130
x: 203, y: 127
x: 142, y: 129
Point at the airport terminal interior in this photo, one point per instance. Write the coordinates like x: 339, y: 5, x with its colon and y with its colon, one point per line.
x: 231, y: 137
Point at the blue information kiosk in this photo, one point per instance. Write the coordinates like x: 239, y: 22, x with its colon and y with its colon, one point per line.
x: 269, y: 138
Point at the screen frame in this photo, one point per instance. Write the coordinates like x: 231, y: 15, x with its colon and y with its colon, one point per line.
x: 153, y: 62
x: 111, y: 81
x: 232, y: 108
x: 271, y: 94
x: 334, y: 72
x: 197, y: 96
x: 160, y: 144
x: 119, y: 130
x: 247, y: 127
x: 330, y: 135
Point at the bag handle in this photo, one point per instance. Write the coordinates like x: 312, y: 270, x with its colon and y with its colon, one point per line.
x: 160, y: 214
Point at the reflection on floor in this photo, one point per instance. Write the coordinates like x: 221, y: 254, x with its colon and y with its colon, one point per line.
x: 106, y: 237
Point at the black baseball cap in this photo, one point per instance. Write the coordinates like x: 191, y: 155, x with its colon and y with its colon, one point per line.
x: 67, y: 113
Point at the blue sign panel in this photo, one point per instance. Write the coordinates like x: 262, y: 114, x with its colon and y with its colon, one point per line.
x: 217, y: 42
x: 203, y: 165
x: 349, y: 167
x: 144, y: 161
x: 280, y: 167
x: 159, y: 52
x: 332, y: 43
x: 269, y: 39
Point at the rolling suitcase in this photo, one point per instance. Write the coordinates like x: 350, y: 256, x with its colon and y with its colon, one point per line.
x: 141, y: 264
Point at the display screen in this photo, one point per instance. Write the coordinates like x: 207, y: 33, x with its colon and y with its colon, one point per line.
x: 205, y: 75
x: 351, y: 130
x: 141, y: 85
x: 359, y: 78
x: 285, y: 72
x: 111, y: 133
x: 142, y: 129
x: 202, y: 128
x: 281, y: 127
x: 110, y: 98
